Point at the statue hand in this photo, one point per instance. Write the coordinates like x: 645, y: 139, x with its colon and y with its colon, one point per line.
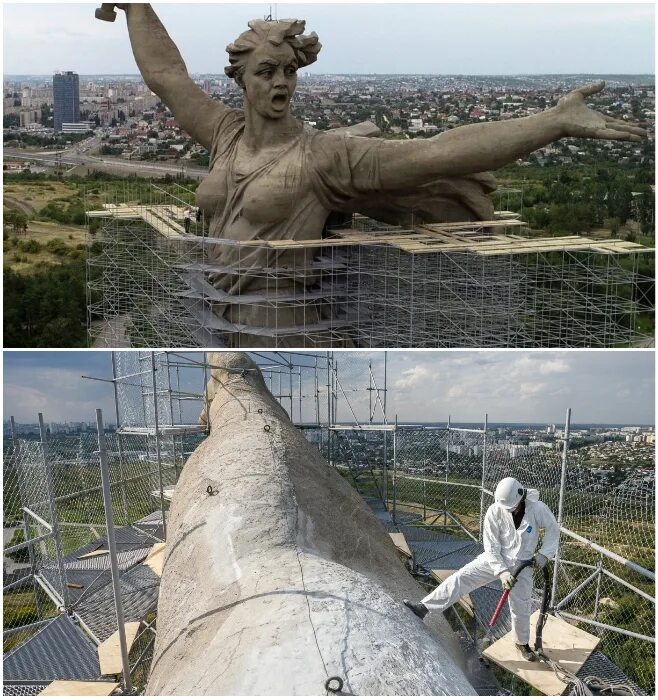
x: 577, y: 119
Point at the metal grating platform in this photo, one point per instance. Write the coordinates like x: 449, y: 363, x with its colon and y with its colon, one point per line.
x: 59, y: 651
x: 600, y: 666
x: 139, y: 594
x: 24, y: 689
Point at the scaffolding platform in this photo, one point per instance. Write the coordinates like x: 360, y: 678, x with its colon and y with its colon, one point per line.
x: 155, y: 559
x: 79, y: 688
x: 109, y: 651
x: 601, y: 667
x: 400, y: 543
x: 566, y: 645
x: 58, y: 651
x: 364, y: 284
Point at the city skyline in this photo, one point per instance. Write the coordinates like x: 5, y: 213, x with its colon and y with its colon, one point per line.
x: 577, y: 37
x: 424, y: 386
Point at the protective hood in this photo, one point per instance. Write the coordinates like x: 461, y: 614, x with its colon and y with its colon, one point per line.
x: 532, y: 495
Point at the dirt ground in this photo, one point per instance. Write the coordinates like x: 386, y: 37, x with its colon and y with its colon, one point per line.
x: 42, y: 232
x: 36, y: 195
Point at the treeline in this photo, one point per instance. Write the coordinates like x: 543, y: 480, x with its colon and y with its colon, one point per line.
x: 39, y: 140
x: 579, y: 199
x: 46, y: 307
x: 65, y: 211
x: 96, y: 177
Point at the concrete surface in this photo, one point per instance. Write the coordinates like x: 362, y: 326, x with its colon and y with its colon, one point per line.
x: 284, y: 578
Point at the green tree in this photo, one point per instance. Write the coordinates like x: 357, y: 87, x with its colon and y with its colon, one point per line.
x: 11, y: 120
x: 20, y: 556
x: 45, y: 119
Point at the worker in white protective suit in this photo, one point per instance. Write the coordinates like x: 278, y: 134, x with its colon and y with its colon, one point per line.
x: 510, y: 536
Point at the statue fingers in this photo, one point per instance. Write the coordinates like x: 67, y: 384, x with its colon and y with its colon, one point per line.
x: 615, y: 135
x: 625, y: 126
x: 591, y: 89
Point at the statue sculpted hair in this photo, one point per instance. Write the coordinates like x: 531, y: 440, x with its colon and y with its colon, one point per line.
x: 305, y: 46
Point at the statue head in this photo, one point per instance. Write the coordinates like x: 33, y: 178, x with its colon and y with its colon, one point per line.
x: 264, y: 61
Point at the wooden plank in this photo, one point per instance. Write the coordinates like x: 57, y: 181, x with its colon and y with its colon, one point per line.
x: 167, y: 493
x: 563, y: 643
x: 89, y: 688
x: 400, y: 541
x: 109, y: 651
x: 440, y: 575
x: 95, y: 553
x: 155, y: 558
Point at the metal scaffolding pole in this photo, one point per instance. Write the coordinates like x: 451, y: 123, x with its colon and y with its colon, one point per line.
x: 560, y: 508
x: 157, y: 446
x: 50, y: 485
x: 30, y: 545
x: 395, y: 468
x: 112, y: 546
x: 445, y: 488
x: 484, y: 472
x: 124, y: 498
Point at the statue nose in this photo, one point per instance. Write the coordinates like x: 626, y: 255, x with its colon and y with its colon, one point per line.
x: 280, y: 79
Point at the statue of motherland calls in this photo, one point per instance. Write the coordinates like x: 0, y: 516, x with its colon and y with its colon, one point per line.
x: 271, y: 179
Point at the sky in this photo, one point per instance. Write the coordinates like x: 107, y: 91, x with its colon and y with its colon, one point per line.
x: 453, y: 38
x: 511, y: 386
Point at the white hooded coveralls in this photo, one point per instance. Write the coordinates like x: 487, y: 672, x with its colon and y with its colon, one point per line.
x: 504, y: 548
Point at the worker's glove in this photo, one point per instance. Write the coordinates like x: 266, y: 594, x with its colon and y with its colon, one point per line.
x: 507, y: 580
x: 541, y: 560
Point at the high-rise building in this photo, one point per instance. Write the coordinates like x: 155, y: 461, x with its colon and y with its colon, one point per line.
x: 66, y: 95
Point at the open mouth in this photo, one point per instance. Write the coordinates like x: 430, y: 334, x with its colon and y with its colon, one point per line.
x: 280, y: 101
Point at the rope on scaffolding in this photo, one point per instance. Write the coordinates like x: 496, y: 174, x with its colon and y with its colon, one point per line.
x: 590, y: 685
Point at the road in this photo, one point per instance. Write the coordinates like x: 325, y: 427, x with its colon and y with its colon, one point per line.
x: 13, y: 203
x: 78, y: 155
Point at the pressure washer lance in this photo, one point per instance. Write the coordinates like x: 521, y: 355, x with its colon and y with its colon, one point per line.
x: 506, y: 592
x: 592, y: 685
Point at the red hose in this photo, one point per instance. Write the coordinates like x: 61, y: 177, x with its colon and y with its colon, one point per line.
x: 499, y: 607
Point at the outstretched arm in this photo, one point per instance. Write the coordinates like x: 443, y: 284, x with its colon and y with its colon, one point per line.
x: 165, y: 73
x: 480, y: 147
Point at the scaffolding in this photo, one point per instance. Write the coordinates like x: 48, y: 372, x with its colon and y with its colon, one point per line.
x: 156, y: 281
x: 93, y: 511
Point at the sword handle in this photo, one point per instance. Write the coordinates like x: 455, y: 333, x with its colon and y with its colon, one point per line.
x: 106, y: 12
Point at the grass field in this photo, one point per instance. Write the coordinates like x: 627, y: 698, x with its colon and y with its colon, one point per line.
x: 41, y: 232
x: 35, y: 195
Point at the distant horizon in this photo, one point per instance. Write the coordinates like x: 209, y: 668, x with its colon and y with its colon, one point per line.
x: 320, y: 75
x: 402, y: 422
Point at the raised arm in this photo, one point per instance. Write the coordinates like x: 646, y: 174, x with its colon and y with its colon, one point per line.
x: 165, y: 73
x: 480, y: 147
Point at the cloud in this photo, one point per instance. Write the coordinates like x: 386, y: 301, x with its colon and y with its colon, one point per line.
x: 554, y: 367
x: 614, y: 386
x: 527, y: 389
x: 41, y: 37
x: 414, y: 377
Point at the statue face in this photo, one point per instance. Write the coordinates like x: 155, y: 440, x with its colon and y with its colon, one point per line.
x: 270, y: 79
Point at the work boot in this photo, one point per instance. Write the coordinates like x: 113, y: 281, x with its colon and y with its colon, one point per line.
x: 418, y: 609
x: 526, y: 652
